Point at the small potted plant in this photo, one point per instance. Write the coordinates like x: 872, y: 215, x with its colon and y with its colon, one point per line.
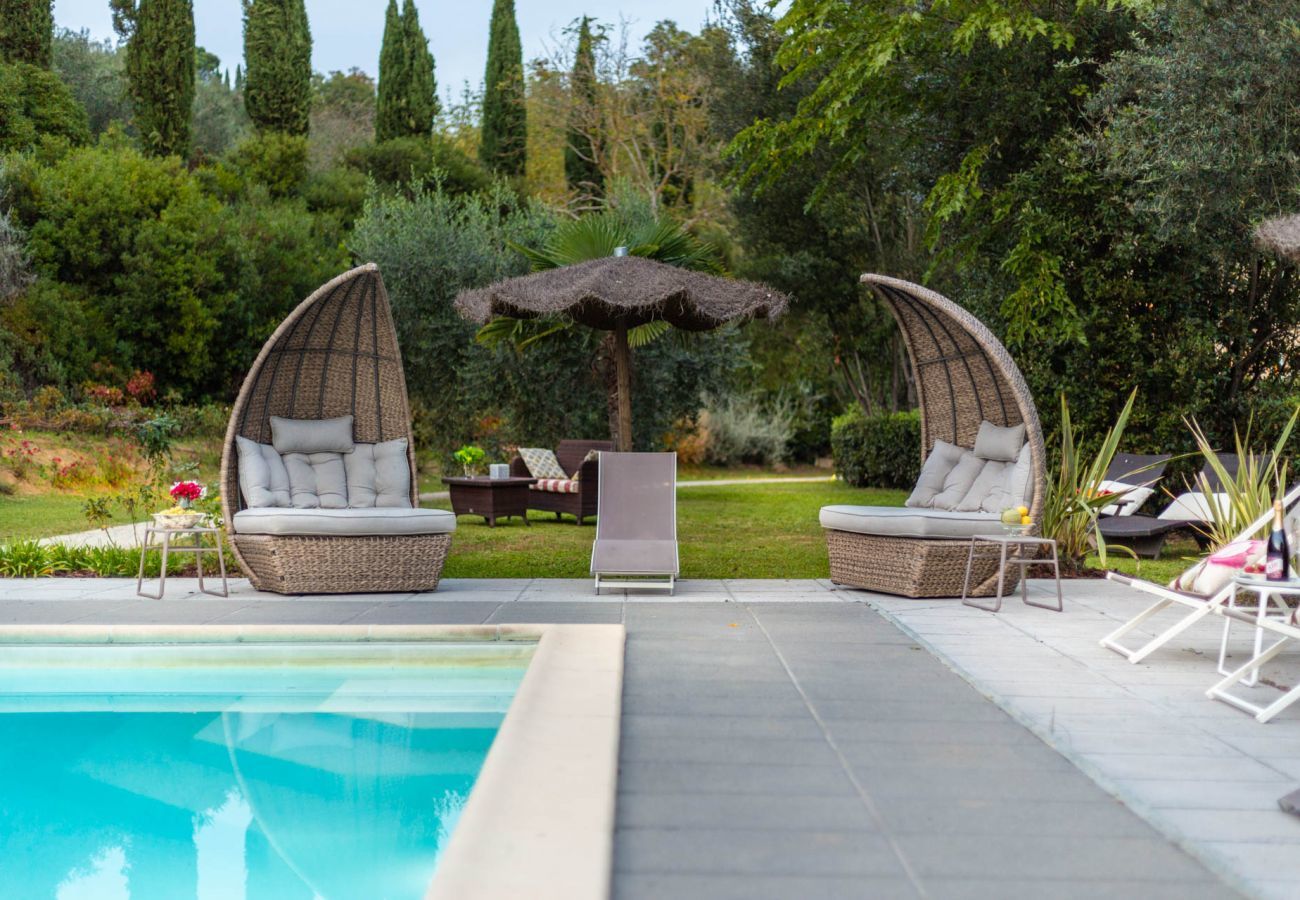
x: 183, y: 514
x: 470, y: 456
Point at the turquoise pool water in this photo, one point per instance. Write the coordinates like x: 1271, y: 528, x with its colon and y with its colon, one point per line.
x: 248, y: 772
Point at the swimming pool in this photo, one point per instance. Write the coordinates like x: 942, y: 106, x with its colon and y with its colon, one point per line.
x: 241, y: 771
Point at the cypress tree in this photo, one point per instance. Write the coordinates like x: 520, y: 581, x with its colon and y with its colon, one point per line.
x: 394, y: 79
x: 421, y: 87
x: 277, y: 59
x: 581, y: 148
x: 504, y: 143
x: 26, y: 32
x: 160, y: 57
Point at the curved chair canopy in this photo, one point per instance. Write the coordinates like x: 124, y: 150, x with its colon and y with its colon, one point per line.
x: 962, y: 372
x: 335, y: 355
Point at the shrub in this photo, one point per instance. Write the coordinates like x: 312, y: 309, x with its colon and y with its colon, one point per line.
x: 746, y: 429
x: 274, y: 160
x: 34, y: 103
x: 420, y: 160
x: 877, y: 451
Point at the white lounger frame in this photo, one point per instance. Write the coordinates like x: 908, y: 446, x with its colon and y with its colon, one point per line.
x: 1247, y: 674
x: 1199, y: 606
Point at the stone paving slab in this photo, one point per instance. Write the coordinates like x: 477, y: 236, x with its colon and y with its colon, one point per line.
x: 788, y: 749
x: 1207, y: 775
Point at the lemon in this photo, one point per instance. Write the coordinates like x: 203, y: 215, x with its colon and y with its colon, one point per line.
x: 1023, y: 510
x: 1025, y: 520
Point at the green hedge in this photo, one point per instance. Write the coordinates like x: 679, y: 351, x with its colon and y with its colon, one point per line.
x: 877, y: 451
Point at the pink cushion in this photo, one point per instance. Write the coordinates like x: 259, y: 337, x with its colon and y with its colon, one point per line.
x: 1236, y: 554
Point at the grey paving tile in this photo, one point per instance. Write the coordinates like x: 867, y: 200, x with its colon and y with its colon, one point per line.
x: 971, y: 734
x: 723, y: 851
x: 775, y: 812
x: 728, y: 778
x: 701, y: 704
x: 637, y: 727
x: 408, y: 612
x: 1080, y: 859
x: 917, y: 710
x: 299, y: 613
x: 40, y: 612
x: 525, y: 611
x: 641, y: 886
x: 166, y: 612
x: 739, y: 751
x: 956, y: 756
x: 999, y: 817
x: 885, y: 784
x: 1060, y: 889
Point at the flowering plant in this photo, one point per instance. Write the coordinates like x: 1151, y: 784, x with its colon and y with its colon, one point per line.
x: 186, y: 492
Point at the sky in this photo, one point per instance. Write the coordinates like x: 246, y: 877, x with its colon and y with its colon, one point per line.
x: 347, y: 33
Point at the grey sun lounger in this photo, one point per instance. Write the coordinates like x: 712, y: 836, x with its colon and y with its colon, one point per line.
x: 636, y: 522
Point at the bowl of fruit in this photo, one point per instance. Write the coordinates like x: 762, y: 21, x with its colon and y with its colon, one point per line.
x: 1016, y: 520
x: 179, y: 517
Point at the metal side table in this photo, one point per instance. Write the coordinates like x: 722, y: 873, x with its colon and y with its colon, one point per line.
x: 164, y: 537
x: 1011, y: 550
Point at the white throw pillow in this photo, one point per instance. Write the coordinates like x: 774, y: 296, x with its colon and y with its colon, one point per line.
x: 263, y: 480
x: 312, y: 435
x: 379, y: 475
x: 988, y: 492
x: 317, y: 480
x: 998, y: 442
x: 958, y: 481
x: 542, y: 463
x: 943, y: 456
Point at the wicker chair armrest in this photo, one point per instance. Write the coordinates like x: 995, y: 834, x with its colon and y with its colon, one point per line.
x: 588, y: 474
x: 518, y: 469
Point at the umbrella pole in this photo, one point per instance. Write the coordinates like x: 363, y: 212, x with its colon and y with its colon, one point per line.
x: 623, y: 370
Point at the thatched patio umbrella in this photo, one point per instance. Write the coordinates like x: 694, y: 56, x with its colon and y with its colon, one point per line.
x: 618, y: 293
x: 1281, y: 235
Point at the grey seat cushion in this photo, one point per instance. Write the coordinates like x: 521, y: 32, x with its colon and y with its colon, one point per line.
x: 378, y: 475
x: 263, y: 479
x: 317, y: 480
x: 344, y: 522
x: 896, y: 521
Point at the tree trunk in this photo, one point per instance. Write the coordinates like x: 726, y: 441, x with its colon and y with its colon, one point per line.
x: 623, y: 368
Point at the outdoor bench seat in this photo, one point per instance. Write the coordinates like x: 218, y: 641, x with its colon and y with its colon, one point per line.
x: 895, y: 521
x: 356, y: 522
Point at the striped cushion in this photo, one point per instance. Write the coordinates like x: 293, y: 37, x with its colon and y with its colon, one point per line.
x: 556, y: 485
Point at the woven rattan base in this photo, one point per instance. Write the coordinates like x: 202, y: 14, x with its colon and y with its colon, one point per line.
x: 342, y: 565
x: 911, y: 567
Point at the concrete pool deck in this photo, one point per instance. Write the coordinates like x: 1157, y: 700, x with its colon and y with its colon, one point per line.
x: 787, y: 739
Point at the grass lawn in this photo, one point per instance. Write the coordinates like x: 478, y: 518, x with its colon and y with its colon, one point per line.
x: 736, y: 531
x: 42, y: 515
x: 1176, y: 556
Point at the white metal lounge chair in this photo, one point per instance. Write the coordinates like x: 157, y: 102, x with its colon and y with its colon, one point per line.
x: 636, y: 522
x: 1287, y: 630
x: 1198, y: 605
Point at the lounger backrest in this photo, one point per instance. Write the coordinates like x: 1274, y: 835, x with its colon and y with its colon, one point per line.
x: 1137, y: 468
x: 637, y: 498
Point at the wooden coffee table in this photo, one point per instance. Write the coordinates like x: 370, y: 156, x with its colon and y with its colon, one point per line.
x: 491, y: 498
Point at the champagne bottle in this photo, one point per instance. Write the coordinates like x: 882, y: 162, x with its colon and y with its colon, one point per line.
x: 1277, y: 566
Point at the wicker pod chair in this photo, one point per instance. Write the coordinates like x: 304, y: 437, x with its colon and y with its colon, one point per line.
x: 335, y: 355
x: 963, y: 376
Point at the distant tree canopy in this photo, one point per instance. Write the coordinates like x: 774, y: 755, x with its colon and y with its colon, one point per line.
x: 277, y: 59
x: 408, y: 92
x: 581, y: 147
x: 160, y: 70
x: 26, y: 32
x: 503, y: 142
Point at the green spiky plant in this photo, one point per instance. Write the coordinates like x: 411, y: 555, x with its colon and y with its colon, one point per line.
x: 1074, y: 499
x: 1248, y: 494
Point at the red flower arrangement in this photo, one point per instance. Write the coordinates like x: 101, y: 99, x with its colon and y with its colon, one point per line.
x: 186, y: 492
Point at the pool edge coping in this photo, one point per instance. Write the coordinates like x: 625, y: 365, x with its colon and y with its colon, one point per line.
x: 539, y: 821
